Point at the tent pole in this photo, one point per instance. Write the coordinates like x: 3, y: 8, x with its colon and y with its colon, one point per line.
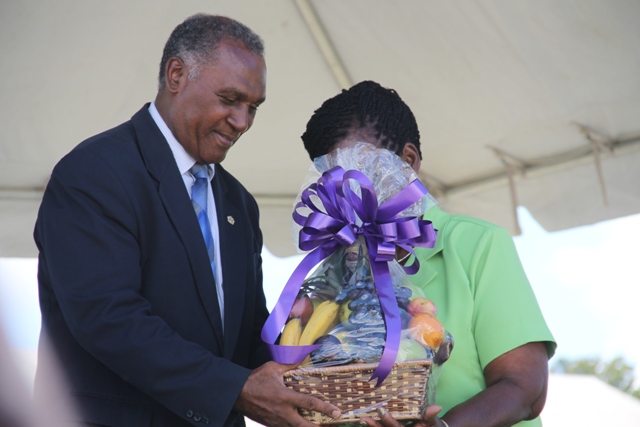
x: 512, y: 165
x: 599, y: 142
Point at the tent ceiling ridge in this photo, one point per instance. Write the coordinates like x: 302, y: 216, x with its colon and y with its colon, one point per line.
x: 499, y: 176
x: 437, y: 186
x: 324, y: 43
x: 598, y: 139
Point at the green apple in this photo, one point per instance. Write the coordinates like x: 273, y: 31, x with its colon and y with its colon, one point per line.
x: 410, y: 350
x: 344, y: 314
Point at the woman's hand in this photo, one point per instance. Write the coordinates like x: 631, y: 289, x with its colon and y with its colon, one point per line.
x: 429, y: 419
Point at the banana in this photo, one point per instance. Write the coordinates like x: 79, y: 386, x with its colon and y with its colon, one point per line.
x: 322, y: 304
x: 291, y: 333
x: 322, y: 320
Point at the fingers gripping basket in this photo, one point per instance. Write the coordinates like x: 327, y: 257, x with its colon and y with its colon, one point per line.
x: 403, y: 392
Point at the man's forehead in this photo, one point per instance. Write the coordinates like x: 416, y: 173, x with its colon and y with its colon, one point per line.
x: 240, y: 95
x: 239, y: 73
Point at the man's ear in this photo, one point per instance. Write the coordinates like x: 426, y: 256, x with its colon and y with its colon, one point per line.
x: 175, y: 75
x: 411, y: 155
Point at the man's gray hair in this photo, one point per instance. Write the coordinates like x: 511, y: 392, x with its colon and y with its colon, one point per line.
x: 195, y: 40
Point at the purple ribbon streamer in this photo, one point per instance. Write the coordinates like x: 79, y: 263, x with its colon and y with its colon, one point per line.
x: 325, y: 230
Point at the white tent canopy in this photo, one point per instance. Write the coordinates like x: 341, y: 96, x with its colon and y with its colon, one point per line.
x: 533, y: 103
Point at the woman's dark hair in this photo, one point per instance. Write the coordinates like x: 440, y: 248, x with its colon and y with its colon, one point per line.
x: 366, y: 105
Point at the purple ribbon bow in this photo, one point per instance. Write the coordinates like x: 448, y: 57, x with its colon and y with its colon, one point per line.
x: 325, y: 230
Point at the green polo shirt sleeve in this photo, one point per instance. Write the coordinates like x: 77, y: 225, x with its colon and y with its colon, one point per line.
x: 484, y: 300
x: 506, y: 313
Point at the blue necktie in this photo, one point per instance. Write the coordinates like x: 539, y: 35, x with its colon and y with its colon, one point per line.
x: 199, y: 201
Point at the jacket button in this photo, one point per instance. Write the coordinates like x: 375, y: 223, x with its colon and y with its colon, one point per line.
x: 189, y: 413
x: 205, y: 420
x: 197, y: 417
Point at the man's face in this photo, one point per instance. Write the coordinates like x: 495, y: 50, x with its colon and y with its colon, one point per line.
x: 208, y: 115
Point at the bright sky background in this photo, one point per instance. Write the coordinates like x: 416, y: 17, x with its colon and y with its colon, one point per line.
x: 586, y: 280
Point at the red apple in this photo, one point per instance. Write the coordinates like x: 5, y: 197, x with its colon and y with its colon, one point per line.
x: 302, y: 308
x: 422, y: 305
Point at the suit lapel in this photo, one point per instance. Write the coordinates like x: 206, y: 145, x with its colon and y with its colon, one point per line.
x: 161, y: 165
x: 233, y: 254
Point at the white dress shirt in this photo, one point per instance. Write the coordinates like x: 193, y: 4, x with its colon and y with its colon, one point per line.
x: 186, y: 162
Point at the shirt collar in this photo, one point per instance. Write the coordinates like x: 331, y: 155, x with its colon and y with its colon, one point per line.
x: 439, y: 219
x: 183, y: 159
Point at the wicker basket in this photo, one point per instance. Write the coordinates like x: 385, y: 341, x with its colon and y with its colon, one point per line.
x: 403, y: 393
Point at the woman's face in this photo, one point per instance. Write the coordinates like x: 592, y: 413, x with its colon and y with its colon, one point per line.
x: 410, y: 153
x: 357, y: 135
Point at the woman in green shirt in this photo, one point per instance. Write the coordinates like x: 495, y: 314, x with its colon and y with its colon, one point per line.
x: 498, y: 372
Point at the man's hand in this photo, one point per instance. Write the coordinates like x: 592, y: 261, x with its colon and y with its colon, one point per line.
x: 429, y: 419
x: 266, y: 400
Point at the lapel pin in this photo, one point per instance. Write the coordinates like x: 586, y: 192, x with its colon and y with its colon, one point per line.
x: 231, y: 220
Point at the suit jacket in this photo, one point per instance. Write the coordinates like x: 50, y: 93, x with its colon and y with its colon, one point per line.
x: 126, y: 289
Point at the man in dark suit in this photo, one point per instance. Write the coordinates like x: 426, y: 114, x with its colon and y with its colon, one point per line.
x: 150, y: 294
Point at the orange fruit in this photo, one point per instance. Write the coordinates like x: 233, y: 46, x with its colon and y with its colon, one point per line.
x: 427, y: 330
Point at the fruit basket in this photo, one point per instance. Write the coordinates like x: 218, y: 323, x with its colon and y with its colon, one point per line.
x: 403, y: 393
x: 342, y: 318
x: 349, y: 315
